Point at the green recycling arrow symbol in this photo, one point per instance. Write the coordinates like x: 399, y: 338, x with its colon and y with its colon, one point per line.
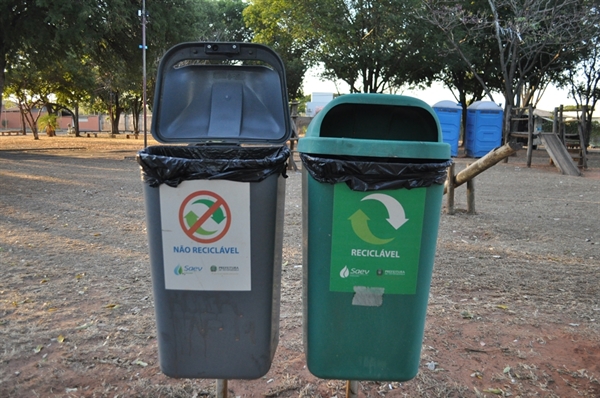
x: 217, y: 217
x: 396, y: 218
x: 360, y: 225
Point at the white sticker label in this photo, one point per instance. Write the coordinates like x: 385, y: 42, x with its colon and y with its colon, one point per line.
x: 206, y: 235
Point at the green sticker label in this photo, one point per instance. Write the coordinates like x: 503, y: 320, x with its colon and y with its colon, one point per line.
x: 376, y: 239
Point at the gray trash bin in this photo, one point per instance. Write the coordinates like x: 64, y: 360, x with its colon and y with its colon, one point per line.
x: 214, y: 209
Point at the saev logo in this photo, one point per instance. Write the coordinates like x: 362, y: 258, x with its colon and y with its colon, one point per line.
x: 353, y: 272
x: 186, y: 270
x: 344, y: 272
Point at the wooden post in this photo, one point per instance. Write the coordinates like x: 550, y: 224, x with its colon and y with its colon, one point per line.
x: 555, y: 128
x: 351, y: 389
x: 484, y: 163
x: 471, y: 196
x: 294, y: 115
x: 561, y: 126
x: 581, y: 128
x: 530, y: 135
x: 221, y: 388
x: 450, y: 184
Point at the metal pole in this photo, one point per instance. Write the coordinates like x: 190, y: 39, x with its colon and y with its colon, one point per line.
x: 352, y: 389
x: 144, y: 67
x: 221, y: 388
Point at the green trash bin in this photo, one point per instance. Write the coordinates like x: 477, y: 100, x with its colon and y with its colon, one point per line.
x: 374, y: 169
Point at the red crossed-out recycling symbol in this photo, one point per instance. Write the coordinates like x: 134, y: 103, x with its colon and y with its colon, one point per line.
x: 204, y: 216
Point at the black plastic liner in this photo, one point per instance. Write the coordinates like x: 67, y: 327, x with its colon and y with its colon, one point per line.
x: 173, y: 164
x: 374, y: 174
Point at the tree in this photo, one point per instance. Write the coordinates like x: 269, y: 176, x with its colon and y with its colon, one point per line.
x: 118, y: 61
x: 584, y: 84
x: 176, y: 21
x: 43, y: 37
x: 41, y: 30
x: 72, y: 81
x: 48, y: 123
x: 20, y: 25
x: 276, y: 23
x: 535, y: 39
x: 27, y: 85
x: 450, y: 69
x: 373, y: 46
x: 222, y: 20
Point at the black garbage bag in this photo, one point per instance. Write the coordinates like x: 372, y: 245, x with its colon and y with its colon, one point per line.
x: 374, y: 174
x: 173, y: 164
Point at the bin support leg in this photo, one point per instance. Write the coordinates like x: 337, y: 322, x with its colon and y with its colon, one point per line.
x: 471, y: 196
x: 352, y: 389
x: 450, y: 185
x: 221, y: 388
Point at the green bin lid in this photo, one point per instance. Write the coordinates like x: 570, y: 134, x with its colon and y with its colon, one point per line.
x: 221, y: 92
x: 376, y: 125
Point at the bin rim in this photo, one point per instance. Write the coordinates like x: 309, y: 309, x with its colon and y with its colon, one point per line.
x: 374, y: 148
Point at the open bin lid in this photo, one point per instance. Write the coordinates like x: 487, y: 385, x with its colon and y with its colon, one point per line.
x: 221, y: 92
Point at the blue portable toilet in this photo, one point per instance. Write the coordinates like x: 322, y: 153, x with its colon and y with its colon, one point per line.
x: 484, y: 128
x: 449, y: 114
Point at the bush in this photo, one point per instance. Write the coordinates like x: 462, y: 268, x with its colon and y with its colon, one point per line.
x: 49, y: 123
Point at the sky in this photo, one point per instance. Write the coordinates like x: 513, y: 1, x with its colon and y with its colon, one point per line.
x: 551, y: 99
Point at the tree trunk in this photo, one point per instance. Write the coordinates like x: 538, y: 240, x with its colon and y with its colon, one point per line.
x: 136, y: 109
x: 28, y: 119
x: 115, y: 122
x: 76, y: 120
x: 506, y: 122
x: 2, y: 77
x: 115, y: 114
x: 23, y: 123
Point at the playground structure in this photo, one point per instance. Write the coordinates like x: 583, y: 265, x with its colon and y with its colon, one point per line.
x: 563, y: 149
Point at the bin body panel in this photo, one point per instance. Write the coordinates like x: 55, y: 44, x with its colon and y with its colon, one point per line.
x: 449, y: 115
x: 484, y: 128
x: 222, y: 334
x: 347, y: 341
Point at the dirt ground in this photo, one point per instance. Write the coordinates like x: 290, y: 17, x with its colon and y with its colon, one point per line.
x: 514, y: 308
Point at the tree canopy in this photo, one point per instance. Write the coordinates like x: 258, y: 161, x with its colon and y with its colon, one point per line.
x: 73, y: 43
x: 373, y: 46
x: 534, y: 39
x: 276, y: 24
x: 88, y: 52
